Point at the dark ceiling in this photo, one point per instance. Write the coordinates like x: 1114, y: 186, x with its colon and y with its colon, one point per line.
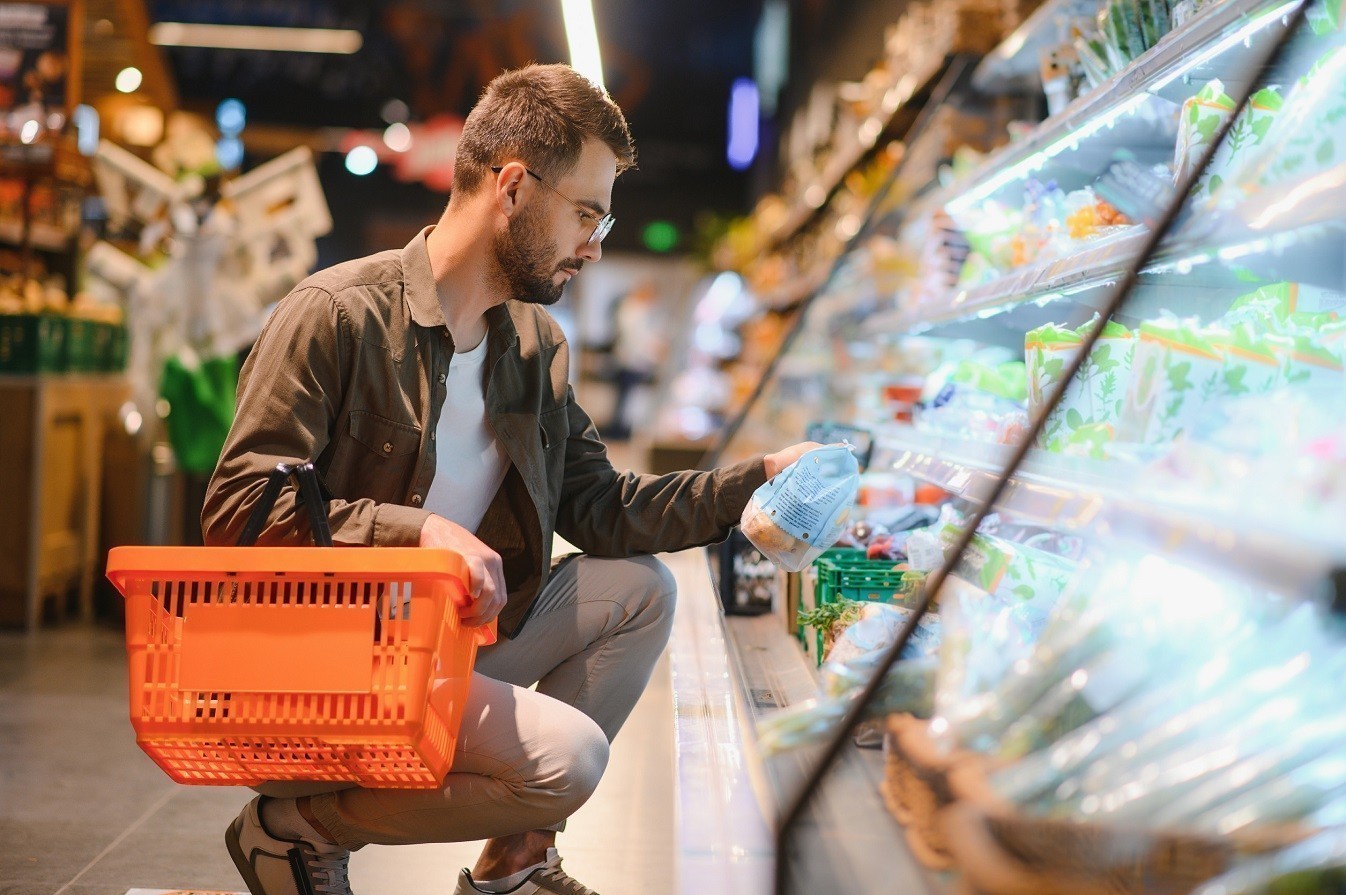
x: 668, y: 64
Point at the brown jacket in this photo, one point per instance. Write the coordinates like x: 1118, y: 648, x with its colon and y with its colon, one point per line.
x: 350, y: 372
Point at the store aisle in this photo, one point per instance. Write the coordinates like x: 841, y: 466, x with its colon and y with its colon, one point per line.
x: 84, y: 812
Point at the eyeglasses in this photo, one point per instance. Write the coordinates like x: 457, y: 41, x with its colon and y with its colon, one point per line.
x: 601, y: 225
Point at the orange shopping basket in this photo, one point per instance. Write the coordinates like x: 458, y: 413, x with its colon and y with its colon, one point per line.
x: 254, y: 664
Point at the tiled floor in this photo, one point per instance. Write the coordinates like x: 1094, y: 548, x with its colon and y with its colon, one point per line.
x: 84, y: 812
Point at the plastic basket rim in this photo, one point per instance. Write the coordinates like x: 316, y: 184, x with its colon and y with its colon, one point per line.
x: 127, y: 563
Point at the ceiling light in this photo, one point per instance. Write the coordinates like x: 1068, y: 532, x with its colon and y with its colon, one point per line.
x: 362, y: 160
x: 743, y: 124
x: 254, y: 37
x: 582, y: 37
x: 395, y: 111
x: 128, y: 80
x: 397, y: 137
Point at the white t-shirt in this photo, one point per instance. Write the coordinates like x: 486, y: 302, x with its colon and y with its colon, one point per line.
x: 471, y: 464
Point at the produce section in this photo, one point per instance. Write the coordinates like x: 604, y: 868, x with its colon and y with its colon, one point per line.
x: 1132, y: 657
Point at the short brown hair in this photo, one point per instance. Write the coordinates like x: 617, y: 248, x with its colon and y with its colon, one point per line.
x: 540, y: 115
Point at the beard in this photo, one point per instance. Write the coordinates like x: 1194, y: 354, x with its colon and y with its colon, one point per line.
x: 522, y: 254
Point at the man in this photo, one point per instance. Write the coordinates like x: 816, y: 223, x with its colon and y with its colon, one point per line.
x: 430, y: 388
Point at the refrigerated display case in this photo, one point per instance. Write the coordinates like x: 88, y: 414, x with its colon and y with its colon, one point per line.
x: 1141, y: 635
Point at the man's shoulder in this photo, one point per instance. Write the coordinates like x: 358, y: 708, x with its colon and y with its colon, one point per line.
x: 356, y: 280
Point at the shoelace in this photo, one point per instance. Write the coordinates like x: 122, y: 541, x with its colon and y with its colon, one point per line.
x: 329, y: 872
x: 562, y: 882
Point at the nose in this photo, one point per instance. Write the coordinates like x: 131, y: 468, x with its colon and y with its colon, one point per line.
x: 591, y: 251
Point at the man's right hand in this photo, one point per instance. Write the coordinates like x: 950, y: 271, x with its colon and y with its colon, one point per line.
x: 486, y: 585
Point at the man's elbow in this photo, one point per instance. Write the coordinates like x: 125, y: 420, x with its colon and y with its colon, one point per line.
x: 217, y: 517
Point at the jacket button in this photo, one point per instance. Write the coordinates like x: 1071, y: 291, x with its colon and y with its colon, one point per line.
x: 387, y: 447
x: 415, y: 500
x: 442, y: 377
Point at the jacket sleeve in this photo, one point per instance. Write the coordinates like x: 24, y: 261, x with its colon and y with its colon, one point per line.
x: 607, y: 513
x: 289, y: 394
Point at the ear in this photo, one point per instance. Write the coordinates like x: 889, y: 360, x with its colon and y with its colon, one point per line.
x: 512, y: 188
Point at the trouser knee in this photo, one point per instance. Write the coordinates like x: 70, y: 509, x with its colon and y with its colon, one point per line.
x: 654, y: 592
x: 584, y: 758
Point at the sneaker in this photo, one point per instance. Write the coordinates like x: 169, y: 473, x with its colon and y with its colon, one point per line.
x: 272, y: 865
x: 549, y: 879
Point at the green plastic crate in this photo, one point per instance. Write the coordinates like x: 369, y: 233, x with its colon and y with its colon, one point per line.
x: 33, y: 343
x: 846, y: 573
x: 81, y: 345
x: 853, y: 577
x: 117, y: 347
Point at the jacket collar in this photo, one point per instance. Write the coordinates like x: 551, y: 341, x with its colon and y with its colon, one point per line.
x: 418, y: 283
x: 422, y: 297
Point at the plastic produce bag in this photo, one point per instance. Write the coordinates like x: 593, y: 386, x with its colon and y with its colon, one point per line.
x: 802, y: 510
x: 1178, y: 707
x: 907, y: 688
x: 878, y: 627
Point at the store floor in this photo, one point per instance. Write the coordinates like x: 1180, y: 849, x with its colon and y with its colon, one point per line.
x: 84, y: 812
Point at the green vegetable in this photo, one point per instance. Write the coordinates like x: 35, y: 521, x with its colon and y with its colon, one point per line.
x: 829, y: 615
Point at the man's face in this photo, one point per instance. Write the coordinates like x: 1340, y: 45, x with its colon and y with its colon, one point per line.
x: 546, y: 242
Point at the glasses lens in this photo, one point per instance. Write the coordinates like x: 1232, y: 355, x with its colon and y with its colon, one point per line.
x: 602, y: 229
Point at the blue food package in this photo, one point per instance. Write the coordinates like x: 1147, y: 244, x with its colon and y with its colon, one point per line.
x: 802, y: 511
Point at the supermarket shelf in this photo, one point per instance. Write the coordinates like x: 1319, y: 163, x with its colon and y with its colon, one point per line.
x: 1257, y: 233
x: 1098, y: 263
x: 797, y: 290
x: 1001, y: 311
x: 1013, y: 66
x: 42, y: 236
x: 726, y: 672
x: 1074, y: 494
x: 1136, y: 107
x: 815, y: 196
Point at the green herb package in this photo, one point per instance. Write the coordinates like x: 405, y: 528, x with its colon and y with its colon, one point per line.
x: 1175, y: 371
x: 1084, y: 420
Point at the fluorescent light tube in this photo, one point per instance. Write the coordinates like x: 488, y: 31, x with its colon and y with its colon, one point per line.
x: 582, y: 37
x: 255, y: 37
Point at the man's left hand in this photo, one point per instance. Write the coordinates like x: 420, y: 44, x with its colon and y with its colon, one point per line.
x: 778, y: 461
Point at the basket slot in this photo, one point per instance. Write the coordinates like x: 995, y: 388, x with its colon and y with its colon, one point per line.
x: 238, y: 647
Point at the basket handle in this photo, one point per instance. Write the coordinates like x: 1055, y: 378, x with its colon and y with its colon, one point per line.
x: 310, y: 494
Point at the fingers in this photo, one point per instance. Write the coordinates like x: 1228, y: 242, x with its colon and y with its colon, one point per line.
x: 486, y: 589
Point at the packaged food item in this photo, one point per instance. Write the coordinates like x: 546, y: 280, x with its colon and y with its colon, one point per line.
x: 1174, y: 372
x: 1202, y: 117
x: 1047, y: 351
x: 1308, y: 362
x: 976, y: 400
x: 801, y: 511
x: 1326, y: 17
x: 1029, y: 579
x: 1085, y: 418
x: 1308, y: 135
x: 1200, y: 120
x: 1251, y: 365
x: 1278, y: 305
x: 909, y: 687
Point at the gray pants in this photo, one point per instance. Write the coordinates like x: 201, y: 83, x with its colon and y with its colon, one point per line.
x: 527, y: 759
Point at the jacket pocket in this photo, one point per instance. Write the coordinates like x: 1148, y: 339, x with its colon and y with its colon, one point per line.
x: 554, y: 428
x: 384, y: 437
